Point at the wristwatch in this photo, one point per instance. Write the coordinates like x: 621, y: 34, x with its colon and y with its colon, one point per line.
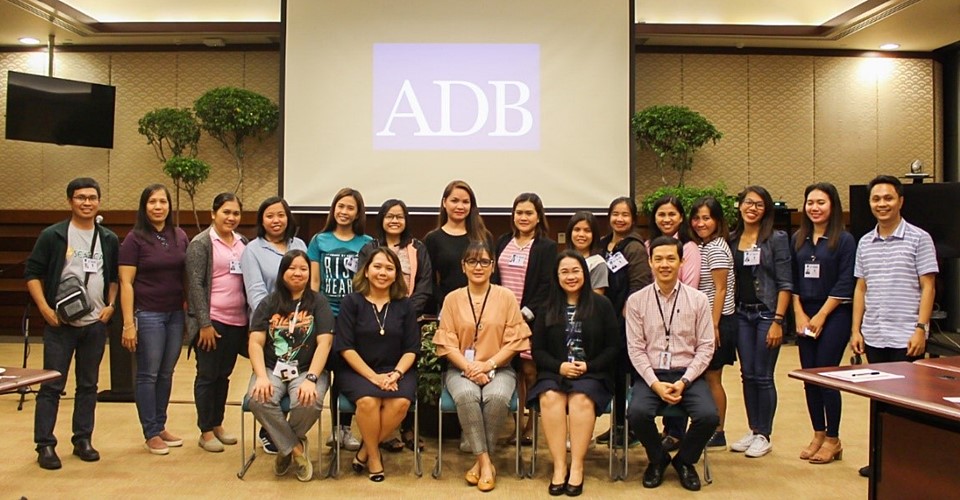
x: 311, y: 377
x: 686, y: 383
x: 925, y: 326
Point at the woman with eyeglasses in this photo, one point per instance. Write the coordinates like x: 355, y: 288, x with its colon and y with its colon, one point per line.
x: 764, y: 278
x: 576, y: 342
x: 481, y: 330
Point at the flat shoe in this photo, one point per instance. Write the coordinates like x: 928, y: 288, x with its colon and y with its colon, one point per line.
x: 156, y: 446
x: 213, y: 446
x: 171, y: 440
x: 486, y: 485
x: 225, y: 438
x: 472, y: 478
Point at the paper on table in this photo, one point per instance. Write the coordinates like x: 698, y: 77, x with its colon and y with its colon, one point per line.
x: 861, y: 375
x: 954, y: 399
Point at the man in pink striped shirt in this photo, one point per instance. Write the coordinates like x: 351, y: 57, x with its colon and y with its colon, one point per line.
x: 670, y: 343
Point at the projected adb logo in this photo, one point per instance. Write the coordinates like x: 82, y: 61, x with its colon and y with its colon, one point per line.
x: 456, y: 96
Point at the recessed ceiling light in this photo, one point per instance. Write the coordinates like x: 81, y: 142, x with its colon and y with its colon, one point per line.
x: 29, y: 41
x: 890, y: 46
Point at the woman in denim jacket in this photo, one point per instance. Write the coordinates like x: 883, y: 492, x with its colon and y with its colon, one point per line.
x: 764, y: 284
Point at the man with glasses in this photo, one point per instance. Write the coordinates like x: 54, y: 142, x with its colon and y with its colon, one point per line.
x: 75, y: 251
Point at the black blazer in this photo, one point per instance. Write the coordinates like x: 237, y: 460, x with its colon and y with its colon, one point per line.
x: 536, y: 283
x: 601, y: 342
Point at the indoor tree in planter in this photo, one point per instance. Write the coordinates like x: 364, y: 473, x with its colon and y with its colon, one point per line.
x: 674, y: 134
x: 232, y: 116
x: 173, y: 132
x: 187, y: 174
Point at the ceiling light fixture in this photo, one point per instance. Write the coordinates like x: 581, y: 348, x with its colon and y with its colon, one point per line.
x: 27, y: 40
x: 890, y: 46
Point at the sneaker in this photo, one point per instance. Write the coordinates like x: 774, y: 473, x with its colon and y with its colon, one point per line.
x: 268, y: 447
x: 171, y: 440
x: 304, y: 465
x: 282, y: 464
x: 347, y: 441
x: 760, y: 447
x: 718, y: 440
x: 744, y: 443
x: 156, y: 446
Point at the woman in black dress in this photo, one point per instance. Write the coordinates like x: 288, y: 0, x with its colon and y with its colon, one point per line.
x: 575, y: 345
x: 378, y: 339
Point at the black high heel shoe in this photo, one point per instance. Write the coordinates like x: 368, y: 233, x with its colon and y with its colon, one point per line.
x: 378, y: 477
x: 357, y: 464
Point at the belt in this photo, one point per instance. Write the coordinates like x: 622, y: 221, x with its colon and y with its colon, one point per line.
x: 752, y: 307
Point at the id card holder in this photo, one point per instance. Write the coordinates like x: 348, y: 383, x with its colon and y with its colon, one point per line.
x: 90, y: 265
x: 811, y: 270
x: 616, y: 262
x: 470, y: 355
x: 350, y: 262
x: 517, y: 260
x: 286, y: 372
x: 235, y: 267
x: 751, y: 257
x: 664, y: 362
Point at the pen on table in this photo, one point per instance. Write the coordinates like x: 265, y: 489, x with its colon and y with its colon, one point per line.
x: 865, y: 373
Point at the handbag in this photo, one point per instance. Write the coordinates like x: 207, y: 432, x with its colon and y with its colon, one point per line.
x: 72, y: 301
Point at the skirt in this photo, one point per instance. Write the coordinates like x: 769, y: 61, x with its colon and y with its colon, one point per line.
x: 593, y: 388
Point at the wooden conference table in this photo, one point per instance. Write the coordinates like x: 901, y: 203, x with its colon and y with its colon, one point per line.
x: 914, y: 432
x: 14, y: 378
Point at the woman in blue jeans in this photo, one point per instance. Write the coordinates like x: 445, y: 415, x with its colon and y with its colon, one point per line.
x: 763, y: 285
x: 151, y: 279
x: 823, y: 259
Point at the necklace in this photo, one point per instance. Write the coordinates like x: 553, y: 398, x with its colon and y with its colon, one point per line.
x: 376, y: 315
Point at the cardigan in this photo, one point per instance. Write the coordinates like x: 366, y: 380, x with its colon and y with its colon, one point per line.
x: 199, y: 282
x: 540, y: 268
x: 49, y: 254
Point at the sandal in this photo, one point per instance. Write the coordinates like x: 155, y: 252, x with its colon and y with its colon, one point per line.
x: 393, y: 445
x: 408, y: 441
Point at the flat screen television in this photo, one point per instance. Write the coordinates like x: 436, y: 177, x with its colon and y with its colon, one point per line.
x: 59, y: 111
x: 930, y: 206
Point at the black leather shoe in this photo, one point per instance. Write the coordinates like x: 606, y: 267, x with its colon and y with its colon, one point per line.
x: 574, y: 491
x: 653, y: 476
x: 688, y: 475
x: 47, y: 458
x: 865, y: 471
x: 83, y: 449
x: 556, y: 490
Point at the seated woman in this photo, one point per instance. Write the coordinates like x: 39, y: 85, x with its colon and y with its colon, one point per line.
x: 378, y: 339
x: 480, y: 330
x: 290, y: 338
x: 575, y: 345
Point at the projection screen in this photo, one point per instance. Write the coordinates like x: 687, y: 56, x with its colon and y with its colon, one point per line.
x: 397, y: 98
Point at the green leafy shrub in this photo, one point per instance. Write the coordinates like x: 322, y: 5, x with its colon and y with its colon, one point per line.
x: 687, y: 195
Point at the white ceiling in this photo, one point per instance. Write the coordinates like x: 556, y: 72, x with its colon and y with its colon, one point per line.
x: 917, y: 25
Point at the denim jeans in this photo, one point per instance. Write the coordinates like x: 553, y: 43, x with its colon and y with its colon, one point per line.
x: 757, y: 363
x: 59, y: 346
x: 213, y: 375
x: 159, y: 339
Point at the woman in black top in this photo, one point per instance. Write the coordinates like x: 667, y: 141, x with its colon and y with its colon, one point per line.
x: 576, y: 342
x: 378, y: 340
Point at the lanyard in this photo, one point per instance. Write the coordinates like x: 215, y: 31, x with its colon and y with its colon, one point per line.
x: 292, y: 326
x: 673, y: 310
x: 477, y: 319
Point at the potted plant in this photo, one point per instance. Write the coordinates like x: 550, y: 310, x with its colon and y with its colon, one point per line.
x: 674, y: 134
x: 188, y: 174
x: 173, y: 132
x: 232, y: 116
x: 429, y: 373
x: 687, y: 195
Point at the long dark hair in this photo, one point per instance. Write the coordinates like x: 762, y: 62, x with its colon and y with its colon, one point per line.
x: 359, y: 222
x: 292, y: 227
x: 591, y: 221
x: 716, y: 213
x: 557, y: 301
x: 834, y: 223
x: 142, y: 225
x: 476, y: 230
x: 766, y: 221
x: 683, y: 232
x: 405, y: 236
x: 281, y: 300
x: 533, y: 198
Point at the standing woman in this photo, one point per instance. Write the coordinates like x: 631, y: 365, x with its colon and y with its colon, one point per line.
x: 575, y: 344
x: 378, y: 340
x: 333, y: 263
x: 669, y: 219
x: 717, y: 282
x: 216, y: 316
x: 459, y: 226
x: 480, y: 331
x: 151, y: 280
x: 415, y: 271
x: 823, y: 259
x: 290, y: 338
x: 276, y: 235
x: 765, y: 279
x: 629, y: 271
x: 525, y: 258
x: 584, y: 234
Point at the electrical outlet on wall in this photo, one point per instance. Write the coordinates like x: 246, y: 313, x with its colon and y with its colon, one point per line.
x: 561, y: 238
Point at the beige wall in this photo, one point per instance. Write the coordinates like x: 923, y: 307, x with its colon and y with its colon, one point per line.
x: 789, y: 121
x: 34, y: 175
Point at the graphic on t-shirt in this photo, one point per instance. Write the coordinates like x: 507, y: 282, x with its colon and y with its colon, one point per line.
x: 287, y: 342
x: 339, y: 267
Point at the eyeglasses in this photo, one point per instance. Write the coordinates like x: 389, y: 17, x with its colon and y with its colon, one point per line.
x: 85, y: 199
x: 391, y: 217
x: 484, y: 263
x: 753, y: 203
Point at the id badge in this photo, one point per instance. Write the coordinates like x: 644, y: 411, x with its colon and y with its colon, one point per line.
x: 518, y: 260
x: 235, y: 267
x: 90, y: 265
x: 616, y: 262
x: 470, y: 355
x: 665, y: 361
x: 350, y: 262
x: 811, y: 270
x: 751, y: 257
x: 286, y: 372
